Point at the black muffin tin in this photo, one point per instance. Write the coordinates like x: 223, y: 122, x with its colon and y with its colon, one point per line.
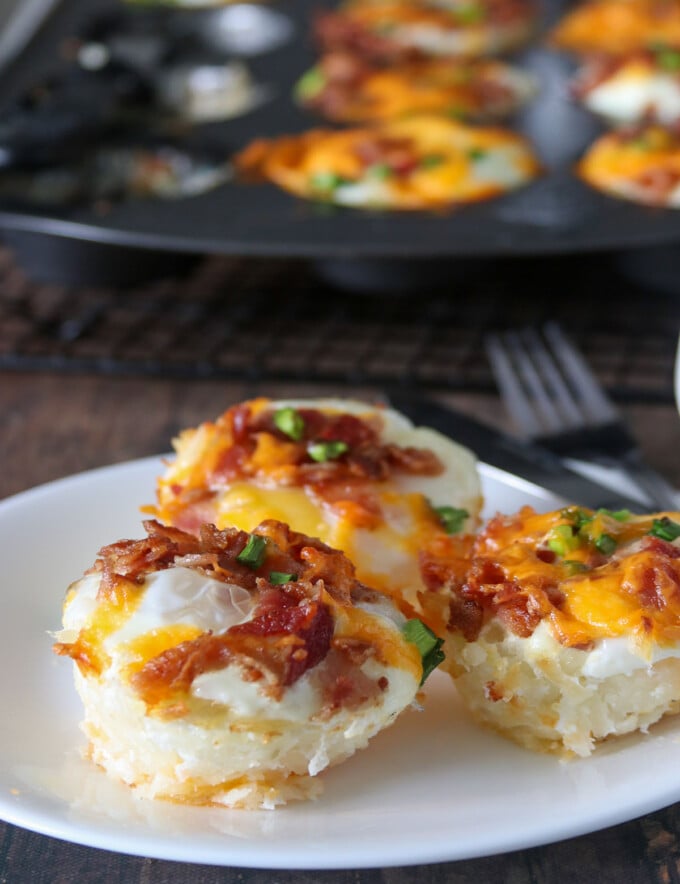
x: 555, y: 214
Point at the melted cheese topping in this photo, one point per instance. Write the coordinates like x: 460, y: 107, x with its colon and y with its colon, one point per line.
x: 435, y: 29
x: 179, y: 604
x: 644, y: 166
x: 385, y: 546
x: 453, y: 163
x: 618, y: 26
x: 632, y: 595
x: 480, y: 90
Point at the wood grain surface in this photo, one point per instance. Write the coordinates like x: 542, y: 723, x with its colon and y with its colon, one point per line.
x: 53, y: 426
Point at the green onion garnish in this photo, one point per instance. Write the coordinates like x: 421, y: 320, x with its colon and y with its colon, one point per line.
x: 290, y: 422
x: 323, y: 451
x: 381, y: 171
x: 574, y: 567
x: 668, y: 59
x: 276, y: 578
x: 310, y: 84
x: 476, y: 153
x: 327, y: 182
x: 253, y: 552
x: 576, y: 516
x: 606, y: 544
x: 469, y: 14
x: 428, y: 645
x: 619, y: 515
x: 452, y: 518
x: 665, y: 529
x: 431, y: 161
x: 563, y: 540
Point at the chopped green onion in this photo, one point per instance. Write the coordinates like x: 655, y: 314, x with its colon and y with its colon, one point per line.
x: 476, y: 153
x: 428, y: 645
x: 469, y: 14
x: 619, y: 515
x: 278, y: 577
x: 574, y: 567
x: 457, y: 111
x: 310, y: 84
x: 381, y: 171
x: 576, y: 516
x: 563, y: 540
x: 668, y: 59
x: 387, y: 26
x: 452, y: 518
x: 323, y: 451
x: 253, y: 552
x: 327, y: 182
x: 606, y: 544
x: 431, y: 161
x: 665, y: 529
x: 290, y: 422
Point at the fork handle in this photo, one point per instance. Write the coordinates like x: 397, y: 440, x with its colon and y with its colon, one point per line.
x: 661, y: 493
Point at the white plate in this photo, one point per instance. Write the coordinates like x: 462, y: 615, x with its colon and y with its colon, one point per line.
x: 432, y: 788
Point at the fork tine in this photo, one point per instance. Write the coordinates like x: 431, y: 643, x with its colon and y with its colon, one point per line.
x: 512, y: 393
x: 520, y: 353
x: 562, y: 396
x: 593, y: 399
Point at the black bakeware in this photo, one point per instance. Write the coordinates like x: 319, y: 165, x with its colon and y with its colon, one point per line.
x: 555, y: 214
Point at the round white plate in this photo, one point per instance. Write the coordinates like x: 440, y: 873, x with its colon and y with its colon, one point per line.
x: 432, y: 788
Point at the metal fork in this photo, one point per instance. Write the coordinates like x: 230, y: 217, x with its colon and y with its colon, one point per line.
x: 555, y: 400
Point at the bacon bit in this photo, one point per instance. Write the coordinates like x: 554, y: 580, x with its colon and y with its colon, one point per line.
x: 492, y: 692
x: 466, y: 615
x: 656, y: 585
x: 489, y: 93
x: 311, y: 624
x: 517, y: 616
x: 356, y: 650
x: 415, y: 461
x: 660, y: 546
x: 383, y: 683
x: 337, y: 574
x: 546, y: 555
x: 344, y: 686
x: 344, y: 67
x: 335, y: 31
x: 399, y: 154
x: 237, y: 419
x: 658, y: 183
x: 444, y: 561
x: 498, y: 11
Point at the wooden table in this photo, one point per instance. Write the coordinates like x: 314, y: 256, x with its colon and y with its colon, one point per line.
x: 53, y: 426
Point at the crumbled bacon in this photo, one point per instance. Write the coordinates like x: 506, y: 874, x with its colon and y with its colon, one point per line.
x: 400, y: 155
x: 656, y: 584
x: 658, y: 183
x: 337, y: 32
x: 466, y: 615
x: 660, y: 546
x: 342, y: 684
x: 291, y: 627
x: 366, y: 458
